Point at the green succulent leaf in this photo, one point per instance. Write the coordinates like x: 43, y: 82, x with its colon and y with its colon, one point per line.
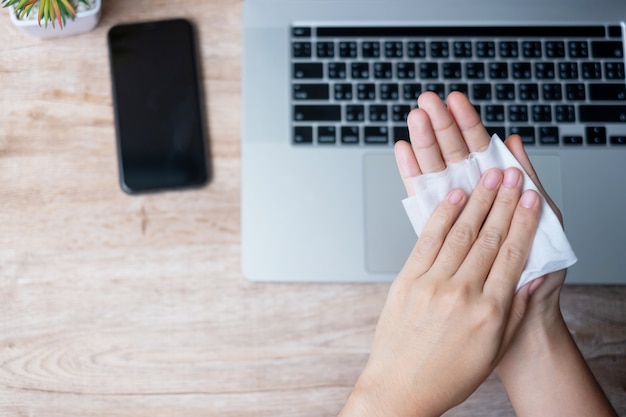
x: 50, y: 11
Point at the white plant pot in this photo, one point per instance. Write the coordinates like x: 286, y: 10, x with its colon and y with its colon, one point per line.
x: 84, y: 21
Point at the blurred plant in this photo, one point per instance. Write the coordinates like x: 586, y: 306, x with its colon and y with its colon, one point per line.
x: 48, y: 10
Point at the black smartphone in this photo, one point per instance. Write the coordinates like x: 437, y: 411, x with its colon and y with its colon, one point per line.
x: 158, y: 106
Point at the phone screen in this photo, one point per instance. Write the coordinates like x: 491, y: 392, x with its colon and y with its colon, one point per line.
x: 157, y: 105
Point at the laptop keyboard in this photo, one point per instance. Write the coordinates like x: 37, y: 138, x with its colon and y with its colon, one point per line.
x: 554, y: 86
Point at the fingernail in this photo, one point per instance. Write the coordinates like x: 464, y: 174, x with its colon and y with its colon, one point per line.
x: 529, y: 199
x: 455, y: 197
x: 511, y: 177
x: 492, y: 179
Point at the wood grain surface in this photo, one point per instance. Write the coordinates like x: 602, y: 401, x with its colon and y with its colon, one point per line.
x: 113, y: 305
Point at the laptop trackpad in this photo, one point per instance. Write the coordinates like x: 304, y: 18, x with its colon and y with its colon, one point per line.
x: 389, y: 236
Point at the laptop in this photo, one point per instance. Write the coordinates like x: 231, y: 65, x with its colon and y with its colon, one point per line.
x: 326, y: 89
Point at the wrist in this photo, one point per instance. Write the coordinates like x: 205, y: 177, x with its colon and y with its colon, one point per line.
x: 358, y: 404
x: 377, y: 397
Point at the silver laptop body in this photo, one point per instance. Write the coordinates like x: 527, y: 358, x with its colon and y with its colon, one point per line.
x: 320, y: 204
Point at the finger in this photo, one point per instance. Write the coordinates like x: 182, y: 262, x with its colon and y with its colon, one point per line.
x: 494, y: 231
x: 515, y: 145
x: 466, y: 228
x: 424, y: 142
x: 407, y: 164
x: 468, y: 121
x: 509, y: 263
x: 449, y: 138
x: 433, y: 235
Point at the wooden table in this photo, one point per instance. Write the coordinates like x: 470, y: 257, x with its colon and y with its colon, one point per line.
x: 115, y: 305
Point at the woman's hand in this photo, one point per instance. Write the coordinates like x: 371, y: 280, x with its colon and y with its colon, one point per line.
x: 448, y: 318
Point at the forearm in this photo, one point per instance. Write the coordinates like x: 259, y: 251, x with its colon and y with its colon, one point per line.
x: 545, y: 374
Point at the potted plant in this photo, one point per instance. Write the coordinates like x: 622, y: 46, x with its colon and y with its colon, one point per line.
x: 54, y: 18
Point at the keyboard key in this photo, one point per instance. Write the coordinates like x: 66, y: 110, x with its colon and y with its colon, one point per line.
x: 578, y: 49
x: 400, y: 133
x: 405, y: 70
x: 343, y: 91
x: 544, y: 70
x: 301, y: 32
x: 322, y: 113
x: 438, y: 88
x: 389, y: 91
x: 565, y: 113
x: 528, y: 92
x: 575, y: 92
x: 505, y: 91
x: 301, y: 49
x: 498, y: 70
x: 451, y: 70
x: 360, y: 70
x: 394, y: 49
x: 494, y: 113
x: 366, y: 91
x: 303, y: 134
x: 429, y: 70
x: 526, y: 132
x: 462, y: 49
x: 607, y: 92
x: 614, y: 70
x: 400, y: 112
x: 531, y: 49
x: 382, y: 70
x: 521, y: 70
x: 310, y: 92
x: 411, y: 91
x: 607, y: 114
x: 376, y: 135
x: 485, y: 49
x: 325, y: 49
x: 370, y: 49
x: 572, y: 140
x: 350, y: 135
x: 549, y: 135
x: 607, y: 49
x: 337, y: 70
x: 498, y: 130
x: 378, y: 113
x: 568, y: 70
x: 618, y: 140
x: 326, y: 135
x: 596, y: 135
x: 555, y: 49
x: 542, y: 113
x: 615, y: 31
x: 461, y: 87
x: 551, y: 92
x: 518, y: 113
x: 591, y: 70
x: 347, y: 49
x: 416, y: 49
x: 481, y: 91
x: 475, y: 70
x: 355, y: 113
x: 308, y: 70
x: 439, y: 49
x: 508, y: 49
